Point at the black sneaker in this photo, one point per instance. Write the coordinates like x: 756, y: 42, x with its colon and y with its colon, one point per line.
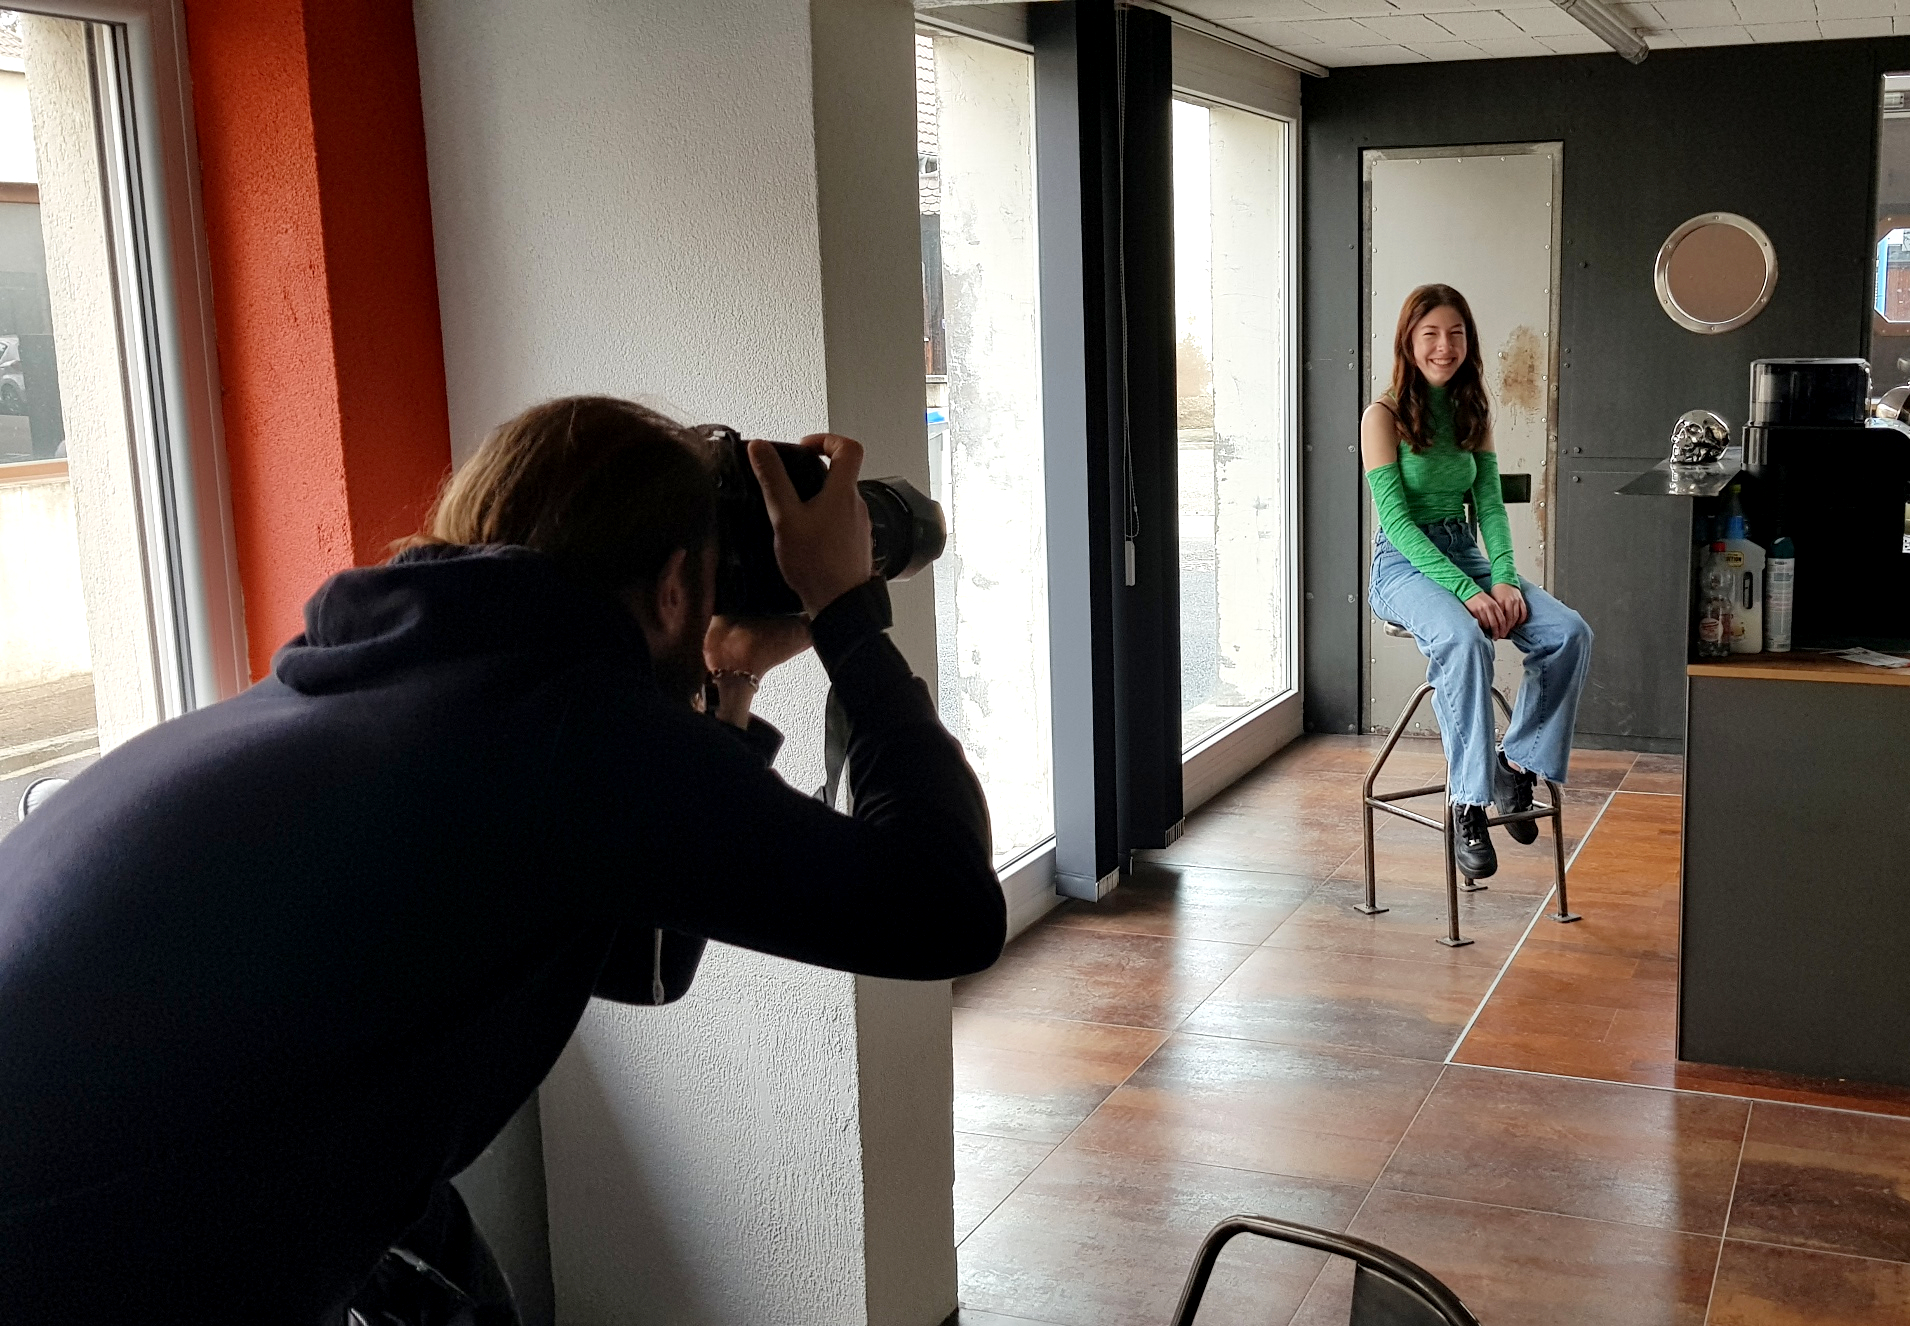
x: 1472, y: 843
x: 1514, y: 788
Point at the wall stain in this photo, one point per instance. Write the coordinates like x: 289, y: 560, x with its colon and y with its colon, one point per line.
x: 1522, y: 371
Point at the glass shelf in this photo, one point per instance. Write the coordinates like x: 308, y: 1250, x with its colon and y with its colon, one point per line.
x: 1662, y: 480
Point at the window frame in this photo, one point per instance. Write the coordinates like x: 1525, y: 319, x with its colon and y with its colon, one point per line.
x: 162, y: 270
x: 1222, y: 756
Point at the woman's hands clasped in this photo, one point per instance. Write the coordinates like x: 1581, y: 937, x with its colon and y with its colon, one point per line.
x: 1501, y: 612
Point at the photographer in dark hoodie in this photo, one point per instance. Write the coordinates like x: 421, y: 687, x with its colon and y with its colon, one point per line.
x: 274, y: 971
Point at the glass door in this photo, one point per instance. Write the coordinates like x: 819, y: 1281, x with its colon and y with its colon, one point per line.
x: 1233, y: 312
x: 981, y: 343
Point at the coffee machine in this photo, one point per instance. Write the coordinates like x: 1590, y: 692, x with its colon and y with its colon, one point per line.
x: 1835, y: 478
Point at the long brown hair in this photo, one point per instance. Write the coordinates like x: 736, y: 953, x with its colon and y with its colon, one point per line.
x: 1412, y: 399
x: 603, y: 487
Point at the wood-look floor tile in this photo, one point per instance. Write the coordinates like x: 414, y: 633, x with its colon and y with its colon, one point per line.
x: 1275, y: 1109
x: 1191, y: 902
x: 1294, y: 795
x: 1037, y: 1078
x: 1759, y: 1285
x: 1352, y: 754
x: 1793, y: 1089
x: 1348, y: 1001
x: 1090, y: 976
x: 1656, y: 773
x: 987, y: 1169
x: 1579, y: 979
x: 1275, y: 844
x: 1531, y: 1268
x: 1609, y: 1057
x: 1509, y: 1016
x: 1411, y: 926
x: 1591, y: 1149
x: 1600, y: 769
x: 1413, y: 856
x: 1092, y: 1239
x: 1825, y: 1179
x: 1634, y: 930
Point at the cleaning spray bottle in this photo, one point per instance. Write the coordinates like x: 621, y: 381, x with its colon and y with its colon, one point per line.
x: 1746, y: 561
x: 1780, y: 583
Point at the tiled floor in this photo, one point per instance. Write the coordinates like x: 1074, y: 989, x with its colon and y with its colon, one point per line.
x: 1226, y: 1034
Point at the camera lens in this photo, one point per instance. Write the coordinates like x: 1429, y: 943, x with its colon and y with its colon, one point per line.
x: 907, y: 529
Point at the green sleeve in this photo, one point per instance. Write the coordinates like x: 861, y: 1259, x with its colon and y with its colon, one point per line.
x: 1488, y: 503
x: 1389, y: 499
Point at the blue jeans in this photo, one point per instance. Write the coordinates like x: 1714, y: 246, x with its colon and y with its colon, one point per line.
x: 1556, y: 642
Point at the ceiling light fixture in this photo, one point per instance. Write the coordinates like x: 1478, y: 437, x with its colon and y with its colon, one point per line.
x: 1596, y: 17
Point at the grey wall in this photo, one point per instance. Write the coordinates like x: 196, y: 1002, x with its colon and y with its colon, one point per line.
x: 1783, y: 134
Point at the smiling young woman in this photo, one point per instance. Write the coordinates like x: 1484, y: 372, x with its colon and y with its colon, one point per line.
x: 1427, y: 446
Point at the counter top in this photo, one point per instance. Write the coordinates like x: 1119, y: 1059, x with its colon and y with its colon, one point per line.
x: 1798, y: 667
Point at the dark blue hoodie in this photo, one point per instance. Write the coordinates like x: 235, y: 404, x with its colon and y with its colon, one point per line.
x: 272, y: 970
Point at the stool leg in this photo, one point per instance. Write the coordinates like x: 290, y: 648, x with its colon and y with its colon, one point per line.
x: 1371, y: 906
x: 1452, y: 937
x: 1564, y: 912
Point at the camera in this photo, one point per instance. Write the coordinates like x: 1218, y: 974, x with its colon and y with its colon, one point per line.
x: 907, y: 528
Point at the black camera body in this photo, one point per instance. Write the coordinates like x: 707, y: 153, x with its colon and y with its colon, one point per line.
x: 906, y: 527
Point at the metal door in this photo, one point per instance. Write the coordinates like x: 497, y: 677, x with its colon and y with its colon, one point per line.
x: 1484, y: 220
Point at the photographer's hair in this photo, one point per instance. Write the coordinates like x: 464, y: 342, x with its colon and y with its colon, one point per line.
x: 1471, y: 408
x: 605, y: 488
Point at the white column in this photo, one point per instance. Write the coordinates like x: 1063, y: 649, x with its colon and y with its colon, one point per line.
x: 710, y: 204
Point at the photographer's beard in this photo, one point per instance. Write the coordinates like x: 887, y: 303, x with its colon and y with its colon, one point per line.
x: 678, y: 664
x: 675, y: 616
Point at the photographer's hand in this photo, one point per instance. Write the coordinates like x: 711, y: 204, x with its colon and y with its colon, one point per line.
x: 823, y: 546
x: 738, y: 648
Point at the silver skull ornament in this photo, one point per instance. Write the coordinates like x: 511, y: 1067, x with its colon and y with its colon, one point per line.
x: 1699, y: 438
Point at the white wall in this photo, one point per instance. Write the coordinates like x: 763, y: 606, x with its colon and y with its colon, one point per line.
x: 16, y: 131
x: 711, y: 206
x: 42, y: 616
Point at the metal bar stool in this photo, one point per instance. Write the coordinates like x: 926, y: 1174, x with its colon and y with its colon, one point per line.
x: 1372, y: 801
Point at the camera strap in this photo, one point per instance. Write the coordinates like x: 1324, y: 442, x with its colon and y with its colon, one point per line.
x: 835, y: 755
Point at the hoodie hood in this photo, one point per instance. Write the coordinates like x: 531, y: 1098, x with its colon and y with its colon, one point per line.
x: 443, y: 601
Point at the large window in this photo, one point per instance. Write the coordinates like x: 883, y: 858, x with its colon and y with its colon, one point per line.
x: 982, y: 361
x: 1232, y: 310
x: 96, y: 584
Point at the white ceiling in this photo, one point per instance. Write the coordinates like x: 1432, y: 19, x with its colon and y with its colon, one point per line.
x: 1355, y: 32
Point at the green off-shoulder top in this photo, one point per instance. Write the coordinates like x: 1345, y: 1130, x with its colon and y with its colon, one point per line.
x: 1423, y: 488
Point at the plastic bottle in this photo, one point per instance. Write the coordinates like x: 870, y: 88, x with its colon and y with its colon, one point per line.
x: 1731, y: 522
x: 1780, y: 583
x: 1746, y: 562
x: 1714, y: 617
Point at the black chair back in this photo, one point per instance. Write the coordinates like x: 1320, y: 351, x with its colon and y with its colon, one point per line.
x: 1388, y: 1290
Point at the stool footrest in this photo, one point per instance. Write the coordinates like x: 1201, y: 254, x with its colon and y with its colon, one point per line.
x: 1412, y: 815
x: 1371, y: 801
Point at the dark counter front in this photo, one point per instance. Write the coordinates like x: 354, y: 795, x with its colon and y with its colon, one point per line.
x: 1795, y: 948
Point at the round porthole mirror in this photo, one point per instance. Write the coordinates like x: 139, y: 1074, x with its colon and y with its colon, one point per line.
x: 1715, y: 272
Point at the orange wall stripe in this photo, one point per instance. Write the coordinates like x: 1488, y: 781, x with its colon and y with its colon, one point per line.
x: 324, y: 286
